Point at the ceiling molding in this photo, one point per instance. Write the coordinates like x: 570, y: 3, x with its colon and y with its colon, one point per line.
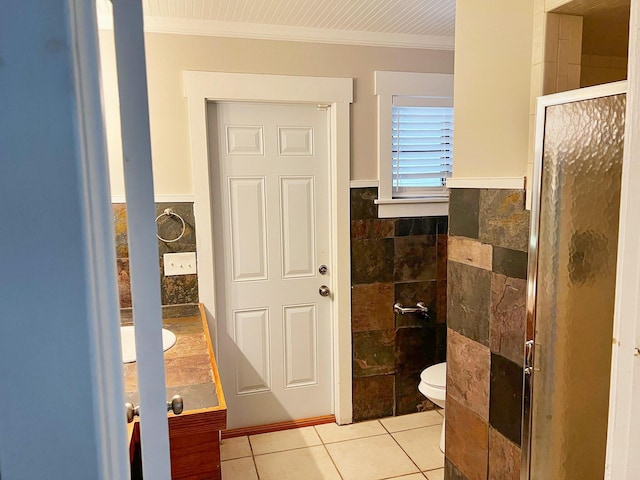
x: 182, y: 26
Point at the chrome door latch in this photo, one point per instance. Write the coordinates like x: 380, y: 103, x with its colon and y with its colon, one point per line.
x: 323, y: 269
x: 528, y: 357
x: 176, y: 405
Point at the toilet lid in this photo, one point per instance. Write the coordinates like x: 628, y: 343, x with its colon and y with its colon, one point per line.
x: 435, y: 376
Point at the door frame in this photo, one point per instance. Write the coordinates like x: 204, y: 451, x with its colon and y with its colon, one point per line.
x: 543, y: 102
x: 623, y: 439
x: 337, y: 93
x: 81, y: 364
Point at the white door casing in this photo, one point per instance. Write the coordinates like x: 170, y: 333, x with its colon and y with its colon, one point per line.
x: 143, y: 246
x: 623, y: 440
x: 201, y: 87
x: 270, y: 165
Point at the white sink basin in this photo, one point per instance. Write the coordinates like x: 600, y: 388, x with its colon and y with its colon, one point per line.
x: 127, y: 334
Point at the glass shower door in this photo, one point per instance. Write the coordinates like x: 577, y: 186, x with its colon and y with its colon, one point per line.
x: 572, y: 272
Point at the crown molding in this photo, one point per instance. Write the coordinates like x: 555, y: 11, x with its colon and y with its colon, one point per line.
x: 184, y: 26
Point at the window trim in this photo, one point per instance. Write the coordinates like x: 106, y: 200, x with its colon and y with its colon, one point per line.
x: 388, y: 85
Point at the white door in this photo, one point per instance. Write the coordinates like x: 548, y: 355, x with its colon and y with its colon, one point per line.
x: 272, y: 235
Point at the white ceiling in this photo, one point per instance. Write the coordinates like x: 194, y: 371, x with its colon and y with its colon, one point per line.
x: 407, y: 23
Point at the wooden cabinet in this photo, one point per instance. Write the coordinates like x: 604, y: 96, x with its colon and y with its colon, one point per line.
x: 195, y: 446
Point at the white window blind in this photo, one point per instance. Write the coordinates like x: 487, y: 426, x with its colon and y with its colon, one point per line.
x: 422, y: 146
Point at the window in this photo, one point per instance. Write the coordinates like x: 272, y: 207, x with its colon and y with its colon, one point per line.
x: 415, y: 143
x: 421, y: 149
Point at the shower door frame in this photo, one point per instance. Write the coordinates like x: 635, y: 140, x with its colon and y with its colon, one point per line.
x: 588, y: 93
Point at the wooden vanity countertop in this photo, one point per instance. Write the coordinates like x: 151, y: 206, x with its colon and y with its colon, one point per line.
x: 191, y: 371
x: 190, y: 366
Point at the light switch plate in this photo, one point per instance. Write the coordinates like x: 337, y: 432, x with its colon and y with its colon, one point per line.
x: 179, y: 263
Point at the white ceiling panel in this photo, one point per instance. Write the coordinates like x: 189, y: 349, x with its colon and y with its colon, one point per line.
x: 410, y: 23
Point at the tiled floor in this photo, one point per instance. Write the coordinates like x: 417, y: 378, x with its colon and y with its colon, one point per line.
x: 400, y: 448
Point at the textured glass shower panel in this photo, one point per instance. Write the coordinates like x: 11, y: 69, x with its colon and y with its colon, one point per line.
x: 577, y: 250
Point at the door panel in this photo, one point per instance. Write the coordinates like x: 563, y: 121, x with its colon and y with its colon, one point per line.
x: 574, y: 272
x: 271, y: 223
x: 245, y: 140
x: 248, y: 228
x: 301, y: 327
x: 295, y: 141
x: 298, y: 225
x: 251, y: 333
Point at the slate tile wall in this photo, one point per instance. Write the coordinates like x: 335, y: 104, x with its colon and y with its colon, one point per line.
x: 487, y: 268
x: 398, y: 259
x: 175, y: 290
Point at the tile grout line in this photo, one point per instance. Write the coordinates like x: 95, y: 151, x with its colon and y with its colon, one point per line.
x: 403, y: 450
x: 324, y: 444
x: 329, y: 453
x: 333, y: 462
x: 253, y: 458
x: 405, y: 475
x: 286, y: 450
x: 387, y: 433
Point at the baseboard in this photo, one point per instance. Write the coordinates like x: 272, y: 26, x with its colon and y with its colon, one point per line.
x: 276, y: 427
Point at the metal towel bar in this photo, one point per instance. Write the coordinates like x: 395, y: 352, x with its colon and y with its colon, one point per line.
x: 419, y: 308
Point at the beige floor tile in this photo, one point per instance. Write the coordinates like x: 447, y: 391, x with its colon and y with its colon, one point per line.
x: 435, y: 474
x: 413, y: 420
x: 237, y: 447
x: 284, y: 440
x: 422, y: 445
x: 239, y: 469
x: 370, y: 458
x: 332, y: 432
x: 303, y: 463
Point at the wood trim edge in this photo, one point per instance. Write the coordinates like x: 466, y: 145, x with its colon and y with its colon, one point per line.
x: 133, y: 433
x: 214, y: 367
x: 276, y: 427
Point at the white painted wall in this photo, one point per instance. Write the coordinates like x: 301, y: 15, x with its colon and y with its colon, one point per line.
x: 491, y: 88
x: 169, y: 55
x: 60, y: 372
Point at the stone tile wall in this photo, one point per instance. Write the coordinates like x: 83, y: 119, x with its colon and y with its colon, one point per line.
x: 398, y: 259
x: 175, y: 290
x: 487, y: 267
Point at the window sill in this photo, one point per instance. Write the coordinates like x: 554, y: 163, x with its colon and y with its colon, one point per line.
x: 412, y: 207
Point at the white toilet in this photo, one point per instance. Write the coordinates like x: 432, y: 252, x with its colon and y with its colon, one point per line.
x: 433, y: 385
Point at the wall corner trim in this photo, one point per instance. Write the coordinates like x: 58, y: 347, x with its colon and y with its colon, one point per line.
x: 510, y: 183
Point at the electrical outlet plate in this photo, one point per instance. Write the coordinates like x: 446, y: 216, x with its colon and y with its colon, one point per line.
x: 179, y: 263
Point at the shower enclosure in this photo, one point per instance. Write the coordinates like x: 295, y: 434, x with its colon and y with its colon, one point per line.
x: 571, y: 282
